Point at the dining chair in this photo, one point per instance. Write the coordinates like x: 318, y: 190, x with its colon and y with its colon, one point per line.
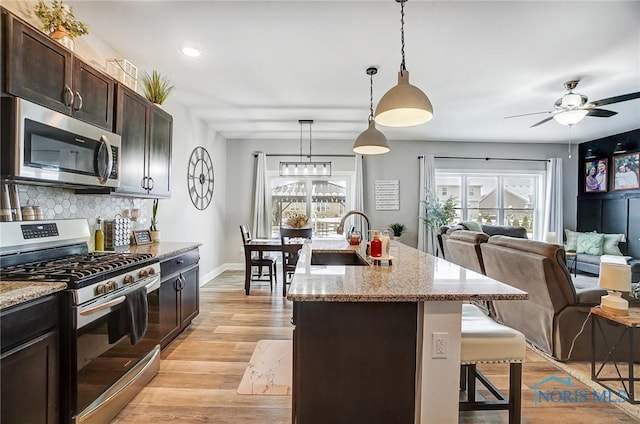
x: 259, y: 260
x: 290, y: 251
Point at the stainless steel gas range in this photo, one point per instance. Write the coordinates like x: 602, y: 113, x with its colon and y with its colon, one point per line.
x: 110, y: 330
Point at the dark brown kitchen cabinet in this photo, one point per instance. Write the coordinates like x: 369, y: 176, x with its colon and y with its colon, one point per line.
x: 146, y: 131
x: 29, y: 364
x: 179, y: 294
x: 41, y: 70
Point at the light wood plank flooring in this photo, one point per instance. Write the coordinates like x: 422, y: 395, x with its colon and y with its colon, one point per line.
x: 201, y: 370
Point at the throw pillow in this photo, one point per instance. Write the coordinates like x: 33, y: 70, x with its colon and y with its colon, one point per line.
x: 611, y: 241
x: 471, y: 226
x: 572, y: 240
x: 590, y: 243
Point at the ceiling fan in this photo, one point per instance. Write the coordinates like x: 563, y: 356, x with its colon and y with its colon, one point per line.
x: 573, y: 107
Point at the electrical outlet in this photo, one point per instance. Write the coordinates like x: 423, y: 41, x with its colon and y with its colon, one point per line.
x: 439, y: 345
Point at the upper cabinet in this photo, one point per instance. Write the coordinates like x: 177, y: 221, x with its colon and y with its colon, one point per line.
x: 43, y: 71
x: 146, y: 131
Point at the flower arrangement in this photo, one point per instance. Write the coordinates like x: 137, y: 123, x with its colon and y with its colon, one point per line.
x: 297, y: 220
x: 59, y: 17
x: 397, y: 228
x: 156, y: 87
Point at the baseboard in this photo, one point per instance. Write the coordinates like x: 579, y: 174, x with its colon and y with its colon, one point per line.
x: 205, y: 278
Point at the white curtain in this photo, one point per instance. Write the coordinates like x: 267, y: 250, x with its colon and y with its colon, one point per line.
x: 261, y: 204
x: 358, y: 200
x: 553, y: 211
x: 427, y: 175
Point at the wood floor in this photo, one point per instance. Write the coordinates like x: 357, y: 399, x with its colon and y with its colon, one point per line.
x: 201, y: 370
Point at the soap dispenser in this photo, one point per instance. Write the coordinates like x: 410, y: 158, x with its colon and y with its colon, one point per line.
x: 376, y: 245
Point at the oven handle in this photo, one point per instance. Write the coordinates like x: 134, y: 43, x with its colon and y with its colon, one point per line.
x: 118, y: 300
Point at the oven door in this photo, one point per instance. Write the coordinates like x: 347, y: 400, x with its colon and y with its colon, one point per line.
x: 110, y: 370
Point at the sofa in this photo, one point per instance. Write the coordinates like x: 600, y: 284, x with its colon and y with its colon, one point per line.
x: 556, y: 309
x: 444, y: 232
x: 463, y: 248
x: 613, y: 244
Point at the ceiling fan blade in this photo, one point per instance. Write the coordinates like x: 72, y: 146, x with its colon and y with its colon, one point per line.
x: 525, y: 114
x: 616, y: 99
x: 542, y: 122
x: 601, y: 113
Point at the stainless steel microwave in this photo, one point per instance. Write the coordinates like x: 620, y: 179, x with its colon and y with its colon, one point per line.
x: 44, y: 146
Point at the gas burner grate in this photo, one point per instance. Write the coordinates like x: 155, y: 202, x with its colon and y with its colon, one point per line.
x: 74, y: 268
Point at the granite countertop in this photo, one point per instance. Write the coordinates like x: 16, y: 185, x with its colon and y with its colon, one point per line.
x: 15, y: 292
x: 164, y: 249
x: 414, y: 276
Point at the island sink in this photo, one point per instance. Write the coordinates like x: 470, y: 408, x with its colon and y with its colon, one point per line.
x: 337, y: 258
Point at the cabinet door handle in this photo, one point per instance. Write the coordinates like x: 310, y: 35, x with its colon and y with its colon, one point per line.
x: 79, y: 98
x: 181, y: 278
x: 152, y: 184
x: 176, y: 284
x: 142, y: 184
x: 180, y: 261
x: 68, y: 96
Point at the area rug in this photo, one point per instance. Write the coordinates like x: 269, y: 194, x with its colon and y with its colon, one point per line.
x: 581, y: 370
x: 270, y: 369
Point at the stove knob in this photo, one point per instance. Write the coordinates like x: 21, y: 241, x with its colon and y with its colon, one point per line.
x: 101, y: 289
x: 143, y: 273
x: 151, y: 271
x: 111, y: 286
x: 128, y: 279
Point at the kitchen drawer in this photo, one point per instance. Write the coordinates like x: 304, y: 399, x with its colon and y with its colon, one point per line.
x: 179, y: 263
x: 28, y: 321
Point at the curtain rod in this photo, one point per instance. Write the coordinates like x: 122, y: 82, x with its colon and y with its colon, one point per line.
x: 487, y: 158
x: 282, y: 155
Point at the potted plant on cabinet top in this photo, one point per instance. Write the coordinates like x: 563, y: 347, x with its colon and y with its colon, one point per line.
x: 156, y: 87
x: 153, y: 229
x: 397, y: 229
x: 59, y: 22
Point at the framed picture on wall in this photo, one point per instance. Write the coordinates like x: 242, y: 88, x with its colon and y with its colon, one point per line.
x: 625, y: 174
x: 596, y: 175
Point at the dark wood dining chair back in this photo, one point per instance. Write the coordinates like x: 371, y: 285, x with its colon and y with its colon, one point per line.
x: 290, y: 251
x: 260, y: 260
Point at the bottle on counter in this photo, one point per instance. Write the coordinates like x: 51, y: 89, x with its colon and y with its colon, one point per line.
x: 376, y: 245
x: 99, y: 235
x: 385, y: 238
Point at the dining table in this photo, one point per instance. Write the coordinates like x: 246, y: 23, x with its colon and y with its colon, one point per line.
x: 260, y: 246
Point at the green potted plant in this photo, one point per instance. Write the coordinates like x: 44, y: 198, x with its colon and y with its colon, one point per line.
x: 438, y: 213
x: 153, y: 229
x: 59, y: 22
x: 156, y: 87
x: 397, y: 229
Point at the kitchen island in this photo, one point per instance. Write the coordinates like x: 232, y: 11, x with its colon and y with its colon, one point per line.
x: 363, y: 336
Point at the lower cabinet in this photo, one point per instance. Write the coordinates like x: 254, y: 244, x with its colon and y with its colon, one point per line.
x: 179, y: 294
x: 29, y: 367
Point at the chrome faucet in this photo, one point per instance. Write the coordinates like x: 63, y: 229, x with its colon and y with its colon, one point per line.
x: 340, y: 229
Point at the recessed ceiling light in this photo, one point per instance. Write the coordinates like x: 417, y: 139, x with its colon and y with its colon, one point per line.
x: 191, y: 51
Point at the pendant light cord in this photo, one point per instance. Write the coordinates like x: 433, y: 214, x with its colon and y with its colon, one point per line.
x: 371, y: 96
x: 403, y: 66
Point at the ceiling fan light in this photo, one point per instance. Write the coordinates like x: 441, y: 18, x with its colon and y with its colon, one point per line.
x: 371, y: 141
x: 571, y: 100
x: 570, y: 117
x: 404, y: 105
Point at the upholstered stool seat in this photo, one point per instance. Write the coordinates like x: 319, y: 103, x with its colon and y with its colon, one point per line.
x: 486, y: 341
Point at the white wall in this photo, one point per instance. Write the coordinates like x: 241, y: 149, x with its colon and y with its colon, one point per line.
x: 178, y: 219
x: 400, y: 164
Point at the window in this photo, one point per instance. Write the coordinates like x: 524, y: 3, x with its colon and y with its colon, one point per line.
x: 513, y: 199
x: 323, y: 200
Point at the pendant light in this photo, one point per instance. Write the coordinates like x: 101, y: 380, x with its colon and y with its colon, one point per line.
x: 302, y: 168
x: 405, y: 105
x: 371, y: 141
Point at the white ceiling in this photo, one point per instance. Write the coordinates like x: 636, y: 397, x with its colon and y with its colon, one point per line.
x: 266, y: 64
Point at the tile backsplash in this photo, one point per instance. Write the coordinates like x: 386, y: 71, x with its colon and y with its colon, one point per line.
x: 57, y: 203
